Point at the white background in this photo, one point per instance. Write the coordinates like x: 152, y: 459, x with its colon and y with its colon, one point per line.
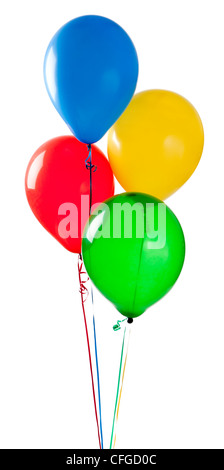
x: 174, y: 386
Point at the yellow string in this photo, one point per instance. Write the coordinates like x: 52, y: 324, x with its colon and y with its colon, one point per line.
x: 122, y: 382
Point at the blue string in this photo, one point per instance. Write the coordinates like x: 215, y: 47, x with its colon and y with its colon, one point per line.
x: 90, y: 167
x: 98, y: 382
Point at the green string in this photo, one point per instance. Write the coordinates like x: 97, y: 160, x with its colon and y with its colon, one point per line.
x: 118, y: 387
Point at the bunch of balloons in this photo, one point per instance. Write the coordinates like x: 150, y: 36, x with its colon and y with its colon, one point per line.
x: 132, y: 244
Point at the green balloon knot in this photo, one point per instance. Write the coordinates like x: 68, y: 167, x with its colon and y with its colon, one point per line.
x: 118, y: 326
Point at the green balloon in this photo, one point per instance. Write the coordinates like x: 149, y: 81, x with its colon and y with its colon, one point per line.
x: 133, y: 250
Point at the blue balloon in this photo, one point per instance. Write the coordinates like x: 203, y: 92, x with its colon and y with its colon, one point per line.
x: 90, y: 72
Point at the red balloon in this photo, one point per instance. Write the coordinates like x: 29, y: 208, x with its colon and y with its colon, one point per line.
x: 58, y: 187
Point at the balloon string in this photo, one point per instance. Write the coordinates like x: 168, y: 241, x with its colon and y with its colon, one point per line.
x: 98, y: 378
x: 83, y: 292
x: 117, y: 393
x: 121, y: 388
x: 90, y: 167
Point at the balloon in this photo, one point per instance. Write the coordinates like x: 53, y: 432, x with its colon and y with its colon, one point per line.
x: 90, y: 71
x: 57, y: 186
x: 156, y: 144
x: 133, y: 250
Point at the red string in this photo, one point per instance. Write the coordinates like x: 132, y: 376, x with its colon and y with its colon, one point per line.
x: 84, y: 291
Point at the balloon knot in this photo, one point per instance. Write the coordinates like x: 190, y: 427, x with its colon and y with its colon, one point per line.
x: 88, y: 160
x: 117, y: 326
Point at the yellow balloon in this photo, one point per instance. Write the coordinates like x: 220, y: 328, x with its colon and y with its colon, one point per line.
x: 156, y: 144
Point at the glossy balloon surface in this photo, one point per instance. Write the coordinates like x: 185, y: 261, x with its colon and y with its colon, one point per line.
x: 133, y: 261
x: 156, y: 144
x: 58, y: 185
x: 90, y: 71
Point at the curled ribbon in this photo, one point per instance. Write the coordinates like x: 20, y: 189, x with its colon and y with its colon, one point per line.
x: 117, y: 326
x: 82, y: 289
x: 88, y: 160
